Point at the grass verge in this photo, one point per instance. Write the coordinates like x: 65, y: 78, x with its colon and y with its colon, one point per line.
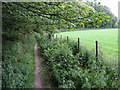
x: 18, y: 63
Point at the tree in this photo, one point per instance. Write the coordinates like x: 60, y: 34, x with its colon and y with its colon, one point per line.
x: 112, y: 23
x: 21, y: 19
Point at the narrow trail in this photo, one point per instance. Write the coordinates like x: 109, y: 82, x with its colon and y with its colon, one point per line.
x: 38, y: 77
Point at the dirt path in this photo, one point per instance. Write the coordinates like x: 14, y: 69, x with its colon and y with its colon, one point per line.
x: 38, y: 78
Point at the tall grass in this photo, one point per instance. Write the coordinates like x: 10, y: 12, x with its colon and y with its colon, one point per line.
x: 18, y: 63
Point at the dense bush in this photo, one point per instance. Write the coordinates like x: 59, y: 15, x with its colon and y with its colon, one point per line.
x: 18, y: 63
x: 70, y: 70
x: 20, y: 21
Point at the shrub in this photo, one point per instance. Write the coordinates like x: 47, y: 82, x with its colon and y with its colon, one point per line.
x: 18, y: 63
x: 70, y: 69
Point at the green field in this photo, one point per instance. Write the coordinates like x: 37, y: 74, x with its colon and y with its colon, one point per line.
x: 107, y: 38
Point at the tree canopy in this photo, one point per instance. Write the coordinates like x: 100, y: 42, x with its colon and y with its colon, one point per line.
x: 22, y: 18
x: 112, y: 23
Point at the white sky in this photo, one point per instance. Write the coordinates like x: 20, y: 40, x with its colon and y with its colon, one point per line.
x: 112, y: 4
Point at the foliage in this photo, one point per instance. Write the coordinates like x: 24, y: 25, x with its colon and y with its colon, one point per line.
x: 75, y: 71
x: 46, y: 17
x: 112, y: 23
x: 18, y: 63
x: 107, y: 39
x: 22, y: 19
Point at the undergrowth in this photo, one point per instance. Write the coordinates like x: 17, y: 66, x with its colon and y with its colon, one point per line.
x: 18, y: 63
x: 70, y: 69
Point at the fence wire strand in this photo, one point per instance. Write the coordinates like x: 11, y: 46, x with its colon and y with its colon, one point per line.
x: 102, y: 45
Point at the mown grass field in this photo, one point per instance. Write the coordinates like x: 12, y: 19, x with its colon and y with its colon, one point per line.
x: 107, y: 38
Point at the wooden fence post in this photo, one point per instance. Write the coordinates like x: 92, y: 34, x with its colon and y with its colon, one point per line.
x: 56, y: 36
x: 49, y: 35
x: 61, y: 37
x: 78, y: 45
x: 53, y: 36
x: 96, y: 49
x: 67, y: 39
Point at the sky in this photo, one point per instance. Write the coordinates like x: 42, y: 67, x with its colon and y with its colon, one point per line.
x: 112, y: 4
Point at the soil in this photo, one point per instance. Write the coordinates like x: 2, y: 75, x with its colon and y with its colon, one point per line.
x: 38, y: 68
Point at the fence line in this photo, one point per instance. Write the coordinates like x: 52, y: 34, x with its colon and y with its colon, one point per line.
x: 97, y: 45
x: 100, y: 42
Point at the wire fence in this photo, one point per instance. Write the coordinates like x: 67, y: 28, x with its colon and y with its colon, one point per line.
x: 101, y: 49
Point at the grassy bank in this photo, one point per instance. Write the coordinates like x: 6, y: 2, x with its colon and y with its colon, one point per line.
x: 18, y: 63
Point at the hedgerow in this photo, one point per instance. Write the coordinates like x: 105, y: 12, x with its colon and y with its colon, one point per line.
x: 70, y: 69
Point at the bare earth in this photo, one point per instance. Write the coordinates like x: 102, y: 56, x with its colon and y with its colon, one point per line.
x: 38, y: 78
